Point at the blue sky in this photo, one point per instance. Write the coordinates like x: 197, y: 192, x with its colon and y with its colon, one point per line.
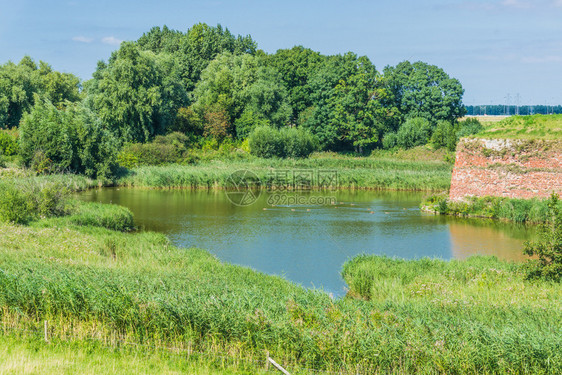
x: 494, y: 47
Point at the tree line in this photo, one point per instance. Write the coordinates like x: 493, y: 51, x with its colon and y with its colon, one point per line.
x: 507, y: 110
x: 214, y: 87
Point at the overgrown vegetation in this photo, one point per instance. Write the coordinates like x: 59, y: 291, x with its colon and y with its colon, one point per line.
x: 267, y: 142
x: 532, y: 211
x: 384, y: 171
x: 477, y: 316
x: 548, y: 248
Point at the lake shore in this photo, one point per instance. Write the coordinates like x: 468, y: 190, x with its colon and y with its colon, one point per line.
x: 92, y: 282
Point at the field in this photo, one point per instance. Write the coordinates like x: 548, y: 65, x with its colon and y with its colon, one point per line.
x: 525, y: 127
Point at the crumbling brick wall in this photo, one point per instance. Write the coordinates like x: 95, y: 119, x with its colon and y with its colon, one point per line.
x: 510, y: 168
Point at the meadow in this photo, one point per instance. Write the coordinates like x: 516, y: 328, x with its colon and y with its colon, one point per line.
x: 524, y: 127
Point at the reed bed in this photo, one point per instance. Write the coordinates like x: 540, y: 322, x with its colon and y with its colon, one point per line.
x: 529, y: 211
x: 352, y: 173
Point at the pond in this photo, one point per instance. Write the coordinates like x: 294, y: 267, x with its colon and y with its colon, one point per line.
x: 308, y: 243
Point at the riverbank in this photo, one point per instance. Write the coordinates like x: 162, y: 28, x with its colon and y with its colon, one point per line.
x: 99, y: 288
x: 375, y: 173
x: 413, y: 170
x: 528, y: 211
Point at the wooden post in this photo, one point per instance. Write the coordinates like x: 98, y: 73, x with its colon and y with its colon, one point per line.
x: 45, y: 331
x: 267, y: 360
x: 278, y: 366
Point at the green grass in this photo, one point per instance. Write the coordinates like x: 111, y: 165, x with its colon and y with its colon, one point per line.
x: 530, y: 211
x: 473, y: 316
x: 32, y: 356
x: 526, y: 127
x: 385, y: 172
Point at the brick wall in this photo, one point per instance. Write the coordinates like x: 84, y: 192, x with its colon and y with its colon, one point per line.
x: 507, y: 168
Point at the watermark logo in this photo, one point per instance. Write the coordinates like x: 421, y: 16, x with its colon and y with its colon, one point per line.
x: 284, y: 187
x: 243, y: 188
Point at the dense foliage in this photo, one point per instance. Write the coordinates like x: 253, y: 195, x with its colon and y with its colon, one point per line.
x: 19, y: 82
x: 70, y: 139
x: 267, y: 142
x: 215, y: 87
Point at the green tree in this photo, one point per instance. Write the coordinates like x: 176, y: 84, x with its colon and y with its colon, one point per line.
x: 192, y: 51
x: 346, y: 114
x: 67, y: 139
x: 241, y: 83
x: 296, y: 67
x: 423, y: 90
x: 19, y: 83
x: 133, y: 96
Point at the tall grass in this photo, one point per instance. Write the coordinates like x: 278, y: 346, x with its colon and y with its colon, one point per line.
x: 352, y: 173
x: 474, y: 316
x: 533, y: 211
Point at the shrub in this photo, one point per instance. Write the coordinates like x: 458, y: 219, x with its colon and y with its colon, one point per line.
x: 14, y: 206
x: 267, y: 142
x: 445, y: 136
x: 390, y: 140
x: 298, y: 143
x: 414, y: 132
x: 548, y: 248
x: 171, y: 148
x: 468, y: 127
x: 69, y: 139
x: 20, y: 204
x: 8, y: 142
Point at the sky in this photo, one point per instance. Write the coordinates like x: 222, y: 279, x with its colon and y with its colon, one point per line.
x: 496, y: 48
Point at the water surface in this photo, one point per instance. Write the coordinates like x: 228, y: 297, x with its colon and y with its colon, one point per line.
x: 308, y: 244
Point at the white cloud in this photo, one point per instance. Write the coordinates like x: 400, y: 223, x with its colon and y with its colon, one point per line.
x: 82, y: 39
x: 516, y: 4
x: 541, y: 59
x: 111, y: 40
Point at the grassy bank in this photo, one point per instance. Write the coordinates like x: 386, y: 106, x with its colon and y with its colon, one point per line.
x: 99, y: 288
x: 525, y: 127
x: 531, y: 211
x: 474, y: 316
x: 384, y: 171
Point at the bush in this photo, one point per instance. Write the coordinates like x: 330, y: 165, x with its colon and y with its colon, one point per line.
x: 445, y: 136
x: 69, y: 139
x: 171, y: 148
x: 268, y: 142
x: 14, y: 206
x: 414, y: 132
x: 389, y: 141
x: 548, y: 248
x: 298, y: 143
x: 468, y: 127
x: 21, y: 204
x: 8, y: 142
